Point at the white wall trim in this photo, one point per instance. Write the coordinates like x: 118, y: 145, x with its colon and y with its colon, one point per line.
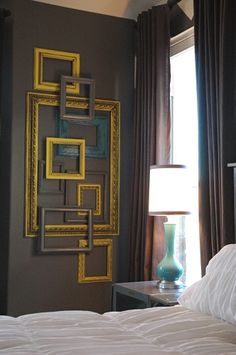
x: 182, y: 41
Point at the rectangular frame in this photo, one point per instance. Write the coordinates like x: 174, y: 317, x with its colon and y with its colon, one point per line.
x: 97, y: 188
x: 50, y: 141
x: 80, y: 81
x: 89, y: 243
x: 40, y: 54
x: 99, y: 151
x: 104, y: 191
x: 34, y: 101
x: 82, y: 278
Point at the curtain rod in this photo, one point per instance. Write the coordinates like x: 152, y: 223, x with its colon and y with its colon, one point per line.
x: 5, y: 12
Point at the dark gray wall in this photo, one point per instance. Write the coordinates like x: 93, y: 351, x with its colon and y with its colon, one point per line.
x: 5, y: 149
x: 106, y: 46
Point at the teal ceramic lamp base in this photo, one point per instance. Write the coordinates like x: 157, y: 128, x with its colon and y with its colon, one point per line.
x: 169, y: 269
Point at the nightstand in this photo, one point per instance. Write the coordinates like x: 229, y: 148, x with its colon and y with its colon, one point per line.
x: 143, y: 294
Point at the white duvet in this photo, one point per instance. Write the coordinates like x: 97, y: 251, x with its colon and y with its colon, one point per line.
x: 173, y: 330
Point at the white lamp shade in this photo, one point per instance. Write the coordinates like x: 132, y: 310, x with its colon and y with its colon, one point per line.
x: 169, y: 191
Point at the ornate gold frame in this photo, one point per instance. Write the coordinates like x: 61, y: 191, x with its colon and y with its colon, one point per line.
x: 34, y: 101
x: 50, y: 141
x: 40, y: 54
x: 82, y: 278
x: 97, y: 188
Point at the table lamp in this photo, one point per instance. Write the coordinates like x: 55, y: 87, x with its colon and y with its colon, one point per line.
x: 169, y: 195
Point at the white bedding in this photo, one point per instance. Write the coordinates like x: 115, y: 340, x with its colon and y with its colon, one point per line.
x: 173, y: 330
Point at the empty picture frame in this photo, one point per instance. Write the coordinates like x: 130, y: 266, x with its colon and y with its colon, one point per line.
x: 81, y: 188
x: 92, y: 178
x: 40, y: 54
x: 50, y: 174
x: 97, y: 243
x: 35, y: 103
x: 85, y: 248
x: 97, y: 151
x: 79, y: 81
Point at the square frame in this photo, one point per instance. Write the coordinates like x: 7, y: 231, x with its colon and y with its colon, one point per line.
x: 82, y: 278
x: 50, y: 141
x: 34, y: 102
x: 40, y: 54
x: 78, y: 81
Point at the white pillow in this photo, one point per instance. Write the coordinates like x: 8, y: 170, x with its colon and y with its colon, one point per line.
x: 215, y: 293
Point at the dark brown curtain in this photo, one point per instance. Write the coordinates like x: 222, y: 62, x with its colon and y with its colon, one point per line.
x: 215, y: 31
x: 151, y: 134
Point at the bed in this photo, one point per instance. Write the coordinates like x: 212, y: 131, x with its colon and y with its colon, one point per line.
x: 203, y: 323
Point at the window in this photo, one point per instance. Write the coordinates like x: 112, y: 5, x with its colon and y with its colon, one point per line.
x: 184, y: 137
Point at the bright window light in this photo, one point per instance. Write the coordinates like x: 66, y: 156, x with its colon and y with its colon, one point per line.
x: 185, y: 151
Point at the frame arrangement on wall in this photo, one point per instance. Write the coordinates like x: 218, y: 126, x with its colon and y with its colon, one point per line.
x: 72, y: 165
x: 35, y: 153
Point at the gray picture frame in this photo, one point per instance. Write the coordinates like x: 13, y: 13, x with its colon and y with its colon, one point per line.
x: 42, y: 249
x: 91, y: 99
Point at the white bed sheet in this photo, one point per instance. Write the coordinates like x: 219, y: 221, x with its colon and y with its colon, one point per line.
x: 171, y: 330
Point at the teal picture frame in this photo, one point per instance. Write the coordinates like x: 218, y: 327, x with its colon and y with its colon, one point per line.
x: 98, y: 151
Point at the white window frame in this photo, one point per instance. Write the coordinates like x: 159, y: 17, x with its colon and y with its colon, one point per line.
x: 182, y: 41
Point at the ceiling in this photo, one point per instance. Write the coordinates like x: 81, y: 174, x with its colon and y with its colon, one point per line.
x: 118, y: 8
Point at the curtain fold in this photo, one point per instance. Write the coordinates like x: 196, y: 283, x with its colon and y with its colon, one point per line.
x: 151, y: 135
x: 215, y: 48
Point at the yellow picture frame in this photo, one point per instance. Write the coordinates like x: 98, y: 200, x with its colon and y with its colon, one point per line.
x: 34, y: 102
x: 97, y: 188
x: 42, y: 53
x: 82, y: 278
x: 50, y: 174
